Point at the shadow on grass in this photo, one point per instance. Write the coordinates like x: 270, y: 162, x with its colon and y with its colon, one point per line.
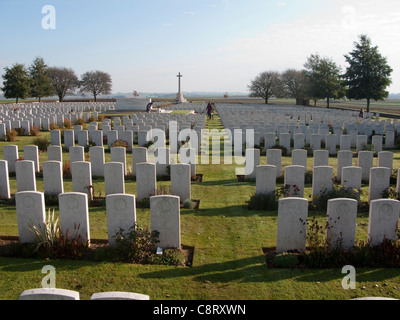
x: 229, y: 212
x: 254, y: 269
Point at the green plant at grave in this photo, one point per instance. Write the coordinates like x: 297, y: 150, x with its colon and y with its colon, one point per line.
x: 320, y: 201
x: 34, y: 131
x: 47, y: 233
x: 267, y: 202
x: 11, y: 135
x: 390, y: 193
x: 50, y: 242
x: 310, y: 151
x: 41, y: 143
x: 188, y: 204
x: 120, y: 143
x: 288, y: 191
x: 138, y: 245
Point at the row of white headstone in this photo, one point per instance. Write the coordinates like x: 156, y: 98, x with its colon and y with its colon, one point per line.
x: 340, y: 223
x: 41, y: 294
x: 365, y: 160
x: 81, y: 171
x: 120, y: 210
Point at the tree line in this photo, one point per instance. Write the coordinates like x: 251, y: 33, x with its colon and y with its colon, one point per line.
x: 39, y: 81
x: 366, y: 77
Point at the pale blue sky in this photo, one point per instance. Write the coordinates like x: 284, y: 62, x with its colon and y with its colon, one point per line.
x: 218, y: 45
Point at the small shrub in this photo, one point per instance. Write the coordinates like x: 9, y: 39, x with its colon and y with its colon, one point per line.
x: 41, y: 143
x: 390, y: 193
x: 284, y: 150
x: 288, y: 191
x: 34, y: 131
x: 120, y: 143
x: 80, y: 121
x: 138, y: 245
x: 11, y: 135
x: 20, y: 131
x: 67, y: 170
x: 320, y: 201
x: 188, y: 204
x: 67, y: 124
x: 54, y: 126
x: 267, y: 202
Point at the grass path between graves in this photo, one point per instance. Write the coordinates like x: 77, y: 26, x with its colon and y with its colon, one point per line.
x: 228, y: 260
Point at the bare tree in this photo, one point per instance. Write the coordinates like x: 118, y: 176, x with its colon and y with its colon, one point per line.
x: 64, y: 81
x: 95, y: 83
x: 266, y: 85
x: 295, y: 84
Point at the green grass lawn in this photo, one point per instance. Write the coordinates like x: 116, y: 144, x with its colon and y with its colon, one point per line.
x: 228, y: 259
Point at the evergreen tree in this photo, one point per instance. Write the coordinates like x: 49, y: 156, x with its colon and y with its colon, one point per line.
x: 16, y: 82
x: 368, y: 74
x: 41, y: 85
x: 324, y: 79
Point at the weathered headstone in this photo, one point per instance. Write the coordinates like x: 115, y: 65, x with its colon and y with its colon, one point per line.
x: 25, y: 175
x: 53, y: 178
x: 321, y: 158
x: 139, y: 155
x: 114, y: 178
x: 365, y: 162
x: 383, y: 221
x: 74, y: 215
x: 32, y: 153
x: 118, y: 154
x: 341, y: 223
x: 351, y: 178
x: 265, y: 179
x: 30, y: 210
x: 54, y: 153
x: 76, y: 153
x: 292, y: 225
x: 48, y: 294
x: 97, y: 157
x: 299, y: 158
x: 322, y: 180
x: 165, y: 218
x: 344, y: 159
x: 146, y: 181
x: 181, y: 181
x: 379, y: 182
x: 4, y: 180
x: 121, y: 214
x: 10, y: 154
x: 294, y: 180
x: 274, y: 158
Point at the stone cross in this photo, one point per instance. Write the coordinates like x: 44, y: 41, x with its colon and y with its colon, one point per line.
x: 179, y: 82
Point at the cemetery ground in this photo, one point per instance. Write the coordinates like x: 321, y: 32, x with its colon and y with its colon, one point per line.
x: 228, y: 241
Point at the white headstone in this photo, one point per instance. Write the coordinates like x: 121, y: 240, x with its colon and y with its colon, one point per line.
x: 165, y: 218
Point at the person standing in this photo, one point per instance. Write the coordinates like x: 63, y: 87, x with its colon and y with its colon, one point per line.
x: 149, y: 107
x: 210, y: 110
